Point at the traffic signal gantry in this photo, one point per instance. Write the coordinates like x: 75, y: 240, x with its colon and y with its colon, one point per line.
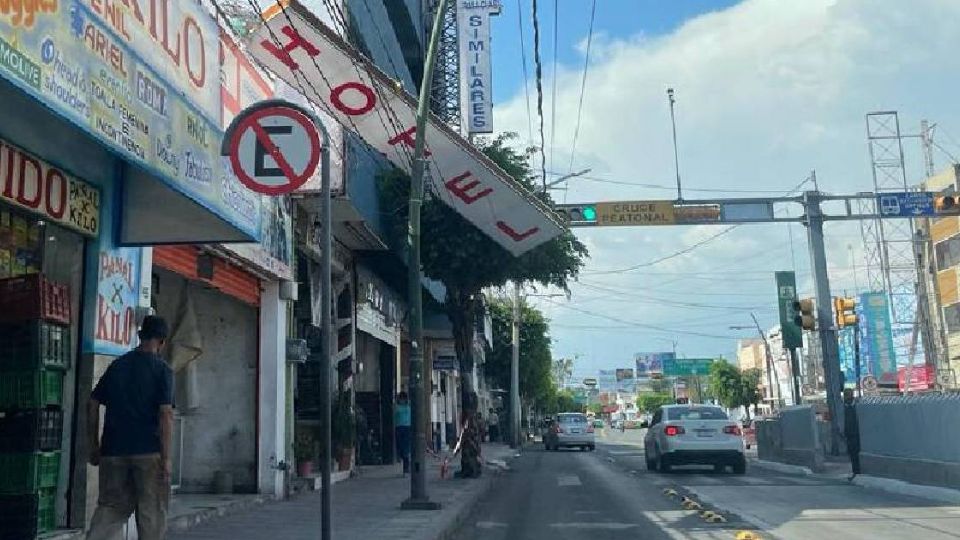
x: 887, y: 205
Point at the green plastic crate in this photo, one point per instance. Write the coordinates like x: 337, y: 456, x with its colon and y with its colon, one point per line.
x: 31, y: 389
x: 47, y: 510
x: 29, y: 473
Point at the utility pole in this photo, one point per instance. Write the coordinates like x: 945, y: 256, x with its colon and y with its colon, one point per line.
x: 827, y: 333
x: 515, y: 372
x: 419, y: 389
x: 773, y: 378
x: 676, y: 153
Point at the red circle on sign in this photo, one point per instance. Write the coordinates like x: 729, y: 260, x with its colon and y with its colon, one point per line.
x: 251, y: 121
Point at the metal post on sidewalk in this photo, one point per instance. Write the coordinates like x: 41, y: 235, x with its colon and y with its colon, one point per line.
x: 420, y: 389
x: 515, y: 372
x: 795, y: 375
x: 326, y: 287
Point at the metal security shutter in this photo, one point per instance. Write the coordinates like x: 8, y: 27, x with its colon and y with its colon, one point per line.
x: 227, y: 278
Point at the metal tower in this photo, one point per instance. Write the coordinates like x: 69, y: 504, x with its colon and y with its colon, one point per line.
x: 445, y: 92
x: 896, y: 237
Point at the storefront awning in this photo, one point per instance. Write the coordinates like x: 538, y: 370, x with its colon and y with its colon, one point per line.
x: 296, y: 46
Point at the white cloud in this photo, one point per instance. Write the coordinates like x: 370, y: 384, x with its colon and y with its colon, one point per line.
x: 766, y: 92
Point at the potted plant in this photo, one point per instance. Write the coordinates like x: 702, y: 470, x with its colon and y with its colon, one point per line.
x: 304, y: 448
x: 343, y: 429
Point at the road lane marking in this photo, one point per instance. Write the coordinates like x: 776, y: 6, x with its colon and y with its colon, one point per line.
x: 491, y: 525
x: 568, y: 480
x: 603, y: 526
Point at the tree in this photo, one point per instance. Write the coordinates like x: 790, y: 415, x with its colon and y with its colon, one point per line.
x: 750, y: 389
x: 466, y: 261
x: 562, y: 371
x: 648, y: 402
x: 536, y: 382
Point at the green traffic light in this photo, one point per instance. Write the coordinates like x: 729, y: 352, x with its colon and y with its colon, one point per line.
x: 589, y: 213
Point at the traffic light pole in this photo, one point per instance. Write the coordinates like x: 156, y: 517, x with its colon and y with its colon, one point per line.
x: 828, y: 334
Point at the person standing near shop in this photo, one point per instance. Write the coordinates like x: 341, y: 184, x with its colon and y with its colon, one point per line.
x: 493, y: 423
x: 134, y: 451
x: 851, y: 429
x: 401, y: 421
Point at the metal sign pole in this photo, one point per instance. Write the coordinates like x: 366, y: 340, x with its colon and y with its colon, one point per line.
x: 325, y: 337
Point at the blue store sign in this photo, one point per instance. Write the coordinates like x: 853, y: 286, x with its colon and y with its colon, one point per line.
x: 142, y: 78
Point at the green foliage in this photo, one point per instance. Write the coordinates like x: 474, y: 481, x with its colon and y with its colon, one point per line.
x: 536, y: 383
x: 648, y: 402
x: 464, y: 259
x: 566, y: 403
x: 734, y: 388
x: 595, y: 408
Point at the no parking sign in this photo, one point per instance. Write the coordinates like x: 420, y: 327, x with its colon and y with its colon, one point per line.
x: 274, y: 147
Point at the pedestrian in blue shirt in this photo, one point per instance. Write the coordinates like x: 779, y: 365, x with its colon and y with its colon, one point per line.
x: 134, y: 452
x: 401, y: 422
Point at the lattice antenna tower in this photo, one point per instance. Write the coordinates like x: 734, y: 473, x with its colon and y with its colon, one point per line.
x: 895, y: 238
x: 445, y: 92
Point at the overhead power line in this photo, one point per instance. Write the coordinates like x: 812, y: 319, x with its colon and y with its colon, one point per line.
x: 539, y: 75
x: 553, y: 98
x: 526, y: 76
x: 583, y: 84
x: 652, y: 327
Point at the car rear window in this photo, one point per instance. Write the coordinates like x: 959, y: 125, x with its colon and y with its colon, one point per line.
x: 695, y: 413
x: 572, y: 418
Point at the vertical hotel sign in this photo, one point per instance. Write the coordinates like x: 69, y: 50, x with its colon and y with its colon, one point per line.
x: 476, y: 99
x: 142, y: 76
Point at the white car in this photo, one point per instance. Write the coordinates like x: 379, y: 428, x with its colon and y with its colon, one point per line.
x: 694, y: 435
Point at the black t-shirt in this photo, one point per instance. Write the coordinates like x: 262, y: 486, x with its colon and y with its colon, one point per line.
x: 133, y: 389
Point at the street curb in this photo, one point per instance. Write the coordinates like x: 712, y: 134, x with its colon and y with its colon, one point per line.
x: 487, y: 481
x: 782, y: 467
x: 189, y: 521
x: 899, y: 487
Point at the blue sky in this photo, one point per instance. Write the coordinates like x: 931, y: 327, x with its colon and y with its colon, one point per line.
x: 614, y: 19
x: 767, y: 91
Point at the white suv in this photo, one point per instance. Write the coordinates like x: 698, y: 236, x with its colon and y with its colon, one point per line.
x: 694, y: 435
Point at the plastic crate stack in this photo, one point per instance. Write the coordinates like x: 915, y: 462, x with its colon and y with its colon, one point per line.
x: 34, y: 355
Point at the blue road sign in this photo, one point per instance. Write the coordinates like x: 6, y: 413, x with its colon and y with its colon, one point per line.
x: 906, y: 204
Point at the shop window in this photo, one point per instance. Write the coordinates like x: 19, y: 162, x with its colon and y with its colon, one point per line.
x: 948, y: 252
x: 21, y: 244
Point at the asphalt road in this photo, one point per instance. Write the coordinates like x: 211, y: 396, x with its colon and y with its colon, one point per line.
x: 608, y: 494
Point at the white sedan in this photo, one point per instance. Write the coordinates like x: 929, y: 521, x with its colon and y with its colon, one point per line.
x: 694, y: 435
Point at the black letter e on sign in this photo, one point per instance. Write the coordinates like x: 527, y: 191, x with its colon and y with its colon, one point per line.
x: 260, y: 152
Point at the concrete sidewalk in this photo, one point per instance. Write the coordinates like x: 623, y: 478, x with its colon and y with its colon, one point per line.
x: 364, y: 507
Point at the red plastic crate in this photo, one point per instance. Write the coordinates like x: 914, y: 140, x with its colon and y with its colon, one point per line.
x: 33, y: 297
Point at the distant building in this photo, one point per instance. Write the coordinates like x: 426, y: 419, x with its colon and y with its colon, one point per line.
x: 945, y: 236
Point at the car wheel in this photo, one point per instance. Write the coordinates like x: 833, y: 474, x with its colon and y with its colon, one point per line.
x: 740, y: 467
x: 651, y: 465
x: 663, y: 465
x: 592, y: 448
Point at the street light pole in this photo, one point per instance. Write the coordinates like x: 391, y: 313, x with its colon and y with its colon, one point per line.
x: 419, y: 389
x: 515, y: 372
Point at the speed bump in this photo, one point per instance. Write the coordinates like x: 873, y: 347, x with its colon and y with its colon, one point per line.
x: 715, y: 518
x: 670, y: 492
x: 748, y: 535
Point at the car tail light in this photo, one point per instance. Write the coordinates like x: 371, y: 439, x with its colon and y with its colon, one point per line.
x: 673, y: 431
x: 733, y: 430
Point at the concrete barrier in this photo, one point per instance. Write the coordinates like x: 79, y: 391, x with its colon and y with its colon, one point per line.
x: 793, y: 437
x: 913, y: 438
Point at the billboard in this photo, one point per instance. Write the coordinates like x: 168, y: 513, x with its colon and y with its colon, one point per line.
x: 476, y: 86
x: 607, y: 380
x: 878, y: 338
x: 626, y: 382
x: 650, y: 365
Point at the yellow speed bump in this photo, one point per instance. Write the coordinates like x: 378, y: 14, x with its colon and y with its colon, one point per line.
x: 748, y: 535
x: 715, y: 518
x: 670, y: 492
x: 707, y: 514
x: 691, y: 504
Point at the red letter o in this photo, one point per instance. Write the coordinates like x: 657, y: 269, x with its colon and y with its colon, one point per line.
x: 353, y: 111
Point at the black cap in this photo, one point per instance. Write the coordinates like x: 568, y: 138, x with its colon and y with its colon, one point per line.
x: 153, y: 327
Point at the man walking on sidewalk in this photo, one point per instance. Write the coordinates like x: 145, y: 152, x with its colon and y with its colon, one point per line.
x: 401, y: 419
x: 493, y: 423
x: 134, y: 453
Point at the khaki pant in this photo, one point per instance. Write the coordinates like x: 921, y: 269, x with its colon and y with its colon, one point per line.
x: 128, y: 484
